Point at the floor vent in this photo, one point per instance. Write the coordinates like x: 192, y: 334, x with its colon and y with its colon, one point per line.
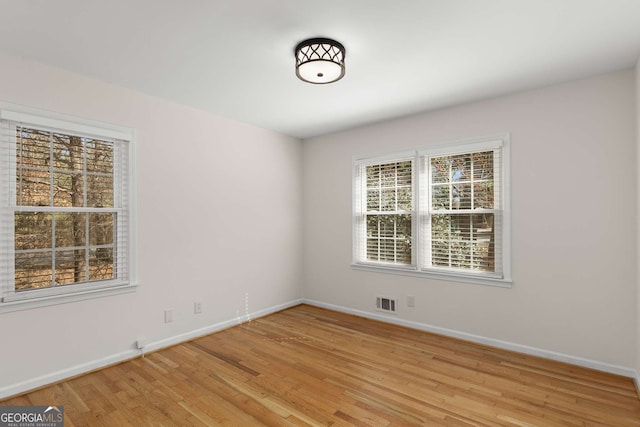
x: 387, y: 304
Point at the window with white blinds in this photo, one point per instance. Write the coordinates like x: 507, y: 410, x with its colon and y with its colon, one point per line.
x: 65, y: 198
x: 440, y: 211
x: 388, y: 212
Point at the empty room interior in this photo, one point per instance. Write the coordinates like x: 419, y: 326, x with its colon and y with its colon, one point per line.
x: 355, y: 212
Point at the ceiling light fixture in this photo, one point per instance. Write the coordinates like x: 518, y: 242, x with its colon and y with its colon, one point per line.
x: 320, y: 61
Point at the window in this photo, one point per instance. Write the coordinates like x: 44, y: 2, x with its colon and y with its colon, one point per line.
x: 439, y: 211
x: 388, y: 211
x: 65, y: 200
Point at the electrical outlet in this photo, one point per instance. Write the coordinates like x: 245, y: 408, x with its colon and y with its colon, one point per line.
x: 141, y: 343
x: 411, y: 301
x: 197, y: 307
x: 168, y: 315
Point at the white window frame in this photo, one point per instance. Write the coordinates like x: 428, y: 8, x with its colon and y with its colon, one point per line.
x: 10, y: 300
x: 420, y: 214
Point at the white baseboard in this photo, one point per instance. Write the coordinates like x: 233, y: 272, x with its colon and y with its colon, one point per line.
x: 37, y: 382
x: 188, y: 336
x: 533, y: 351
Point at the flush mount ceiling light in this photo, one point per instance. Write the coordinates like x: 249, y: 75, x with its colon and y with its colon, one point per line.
x: 320, y: 61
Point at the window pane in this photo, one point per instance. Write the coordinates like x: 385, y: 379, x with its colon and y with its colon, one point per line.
x: 440, y: 253
x: 373, y: 224
x: 373, y: 176
x: 68, y: 152
x: 440, y: 227
x: 483, y: 166
x: 99, y: 156
x: 403, y: 250
x: 70, y: 229
x: 461, y: 196
x: 372, y: 249
x: 99, y: 191
x: 101, y: 264
x: 100, y: 173
x: 33, y: 188
x: 33, y: 270
x: 405, y: 198
x: 483, y: 242
x: 440, y: 169
x: 460, y: 255
x: 404, y: 174
x: 101, y: 226
x: 33, y: 148
x: 388, y: 173
x: 460, y: 227
x: 483, y: 257
x: 440, y: 197
x: 33, y: 230
x: 461, y: 167
x: 387, y: 250
x: 71, y: 267
x: 404, y: 228
x: 388, y: 200
x: 68, y: 189
x: 373, y: 200
x: 483, y: 195
x: 385, y: 226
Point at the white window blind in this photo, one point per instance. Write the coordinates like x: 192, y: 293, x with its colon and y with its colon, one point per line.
x: 445, y: 216
x: 64, y: 195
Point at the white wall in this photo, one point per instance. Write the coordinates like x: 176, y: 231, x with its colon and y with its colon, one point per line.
x: 573, y: 161
x: 219, y: 221
x: 638, y: 225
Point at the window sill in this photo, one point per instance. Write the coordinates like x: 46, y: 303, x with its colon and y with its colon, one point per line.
x: 436, y: 275
x: 64, y: 298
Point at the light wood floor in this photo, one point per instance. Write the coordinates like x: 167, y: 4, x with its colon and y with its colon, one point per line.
x: 309, y: 366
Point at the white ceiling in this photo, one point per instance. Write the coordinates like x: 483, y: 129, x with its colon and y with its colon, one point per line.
x: 235, y: 57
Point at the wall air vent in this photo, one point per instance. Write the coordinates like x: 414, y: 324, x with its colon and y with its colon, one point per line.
x: 387, y: 304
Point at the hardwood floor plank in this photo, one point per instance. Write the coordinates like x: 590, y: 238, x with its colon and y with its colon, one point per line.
x: 307, y: 366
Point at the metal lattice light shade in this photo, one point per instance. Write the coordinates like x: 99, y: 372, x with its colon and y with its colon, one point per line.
x: 320, y: 61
